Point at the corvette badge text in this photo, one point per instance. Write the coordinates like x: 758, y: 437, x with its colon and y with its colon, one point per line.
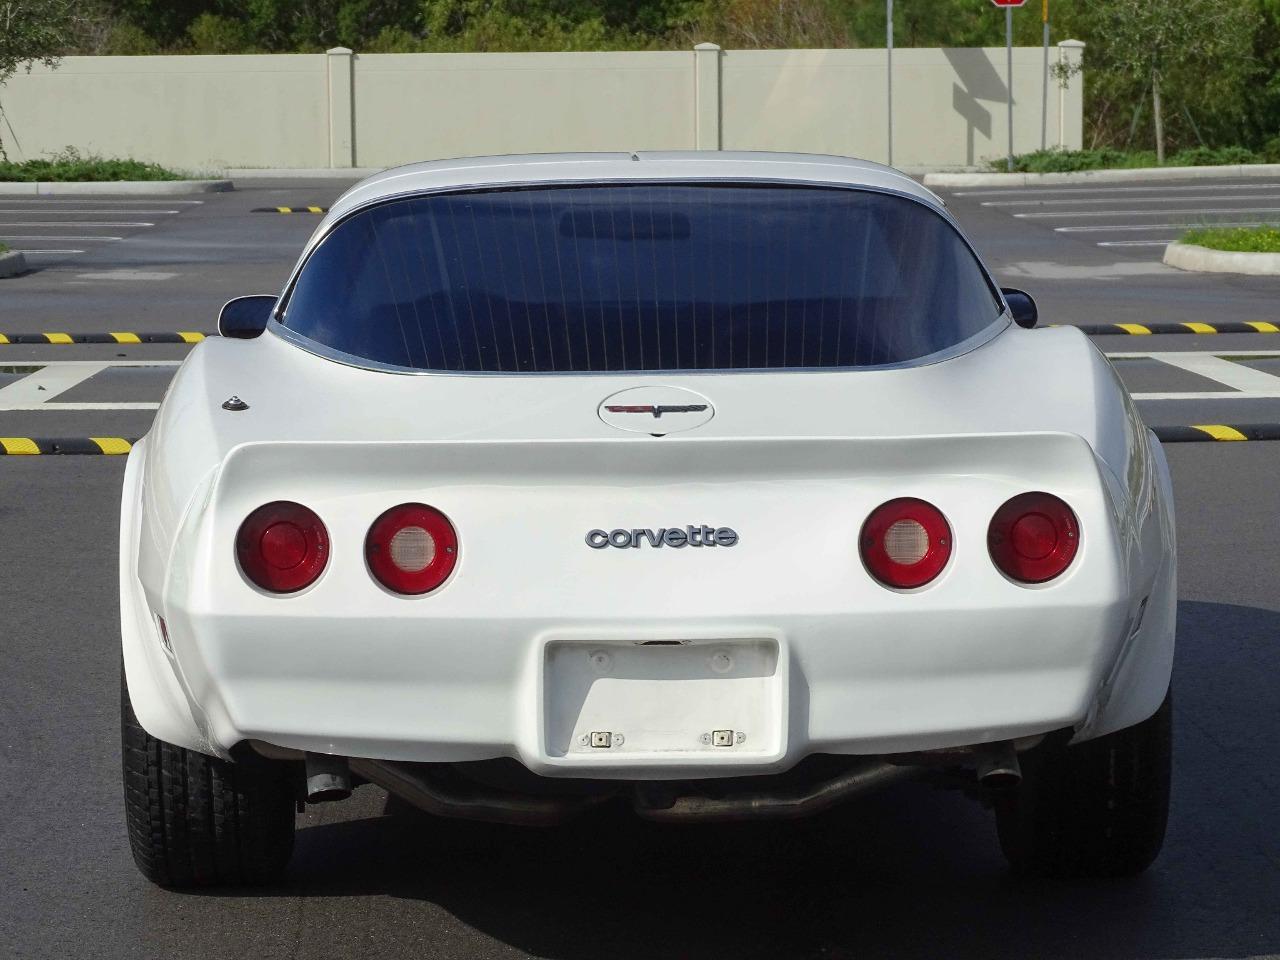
x: 698, y: 536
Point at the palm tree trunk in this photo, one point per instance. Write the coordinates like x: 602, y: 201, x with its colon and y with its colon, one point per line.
x: 1159, y: 117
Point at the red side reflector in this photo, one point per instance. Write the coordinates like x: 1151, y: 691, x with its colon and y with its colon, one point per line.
x: 905, y: 543
x: 411, y: 548
x: 1033, y: 537
x: 282, y: 547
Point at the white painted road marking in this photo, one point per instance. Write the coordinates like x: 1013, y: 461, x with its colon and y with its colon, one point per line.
x: 1059, y: 214
x: 35, y: 389
x: 1099, y: 190
x: 1212, y: 395
x: 85, y: 202
x: 126, y: 275
x: 1136, y: 243
x: 1097, y: 200
x: 1159, y: 226
x: 75, y: 223
x: 1052, y: 270
x: 30, y: 236
x: 114, y: 213
x: 1234, y: 375
x: 72, y: 407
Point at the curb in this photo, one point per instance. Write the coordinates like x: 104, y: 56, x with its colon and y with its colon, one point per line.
x: 1190, y: 256
x: 1235, y: 171
x: 181, y: 336
x: 88, y: 188
x: 289, y: 210
x: 1217, y: 432
x: 65, y: 446
x: 12, y: 264
x: 303, y: 173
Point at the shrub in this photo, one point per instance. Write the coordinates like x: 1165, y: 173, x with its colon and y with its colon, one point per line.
x: 1236, y: 239
x: 1213, y: 157
x: 1108, y: 158
x: 71, y: 165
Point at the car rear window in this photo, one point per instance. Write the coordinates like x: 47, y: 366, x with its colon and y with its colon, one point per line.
x: 641, y: 277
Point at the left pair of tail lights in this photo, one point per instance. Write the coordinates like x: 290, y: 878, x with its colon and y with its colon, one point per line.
x: 283, y: 547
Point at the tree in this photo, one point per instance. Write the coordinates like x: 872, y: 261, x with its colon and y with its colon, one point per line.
x: 31, y: 32
x: 1186, y: 50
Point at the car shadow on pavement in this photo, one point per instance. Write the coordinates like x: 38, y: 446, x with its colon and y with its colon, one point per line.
x: 911, y: 872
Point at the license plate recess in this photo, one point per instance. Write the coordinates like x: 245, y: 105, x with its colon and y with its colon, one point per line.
x: 661, y: 699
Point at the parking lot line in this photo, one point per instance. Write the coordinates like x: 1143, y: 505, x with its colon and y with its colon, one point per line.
x: 29, y: 236
x: 76, y: 407
x: 1138, y: 227
x: 112, y: 212
x: 1101, y: 189
x: 1093, y: 201
x: 86, y: 202
x: 1204, y: 211
x: 77, y: 223
x: 1234, y: 375
x: 41, y: 386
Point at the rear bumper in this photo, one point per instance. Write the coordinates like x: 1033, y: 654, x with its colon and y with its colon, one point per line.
x: 402, y: 690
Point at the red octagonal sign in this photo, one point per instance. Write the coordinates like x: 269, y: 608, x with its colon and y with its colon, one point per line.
x: 1008, y: 3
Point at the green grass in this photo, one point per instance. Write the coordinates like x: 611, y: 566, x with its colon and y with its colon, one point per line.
x: 71, y: 165
x: 3, y: 248
x: 1236, y: 239
x: 1108, y: 158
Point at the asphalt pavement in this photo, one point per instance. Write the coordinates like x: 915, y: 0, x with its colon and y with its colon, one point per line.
x: 913, y: 872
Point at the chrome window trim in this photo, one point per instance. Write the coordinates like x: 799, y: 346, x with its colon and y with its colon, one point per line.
x: 1002, y: 321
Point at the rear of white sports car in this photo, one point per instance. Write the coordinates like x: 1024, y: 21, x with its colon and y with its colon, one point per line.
x: 715, y: 488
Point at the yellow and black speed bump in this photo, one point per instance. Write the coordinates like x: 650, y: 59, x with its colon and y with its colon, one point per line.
x: 63, y: 446
x: 1202, y: 432
x: 180, y: 336
x: 290, y: 210
x: 1143, y: 329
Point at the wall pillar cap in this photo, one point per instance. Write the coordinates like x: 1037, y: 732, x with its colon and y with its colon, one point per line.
x: 1075, y: 44
x: 347, y: 51
x: 706, y: 45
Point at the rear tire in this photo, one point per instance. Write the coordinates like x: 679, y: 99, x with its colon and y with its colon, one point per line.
x: 1097, y: 809
x: 196, y: 820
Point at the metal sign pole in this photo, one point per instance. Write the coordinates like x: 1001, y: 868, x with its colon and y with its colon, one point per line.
x: 888, y: 38
x: 1008, y: 49
x: 1044, y: 100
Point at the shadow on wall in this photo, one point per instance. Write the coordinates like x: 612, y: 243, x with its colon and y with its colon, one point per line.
x: 978, y: 81
x: 913, y: 872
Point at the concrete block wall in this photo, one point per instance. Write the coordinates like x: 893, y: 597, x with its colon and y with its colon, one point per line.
x: 342, y: 109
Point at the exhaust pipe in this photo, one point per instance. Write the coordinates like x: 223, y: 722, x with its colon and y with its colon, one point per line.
x: 822, y: 796
x: 328, y: 778
x: 998, y: 767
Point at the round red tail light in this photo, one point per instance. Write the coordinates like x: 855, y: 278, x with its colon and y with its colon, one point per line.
x: 905, y: 542
x: 1033, y: 537
x: 282, y: 547
x: 411, y: 548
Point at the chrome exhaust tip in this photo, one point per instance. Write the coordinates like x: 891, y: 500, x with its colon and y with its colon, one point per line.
x: 328, y: 778
x: 998, y: 767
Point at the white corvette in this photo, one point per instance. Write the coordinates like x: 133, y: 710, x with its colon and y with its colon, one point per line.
x: 712, y: 485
